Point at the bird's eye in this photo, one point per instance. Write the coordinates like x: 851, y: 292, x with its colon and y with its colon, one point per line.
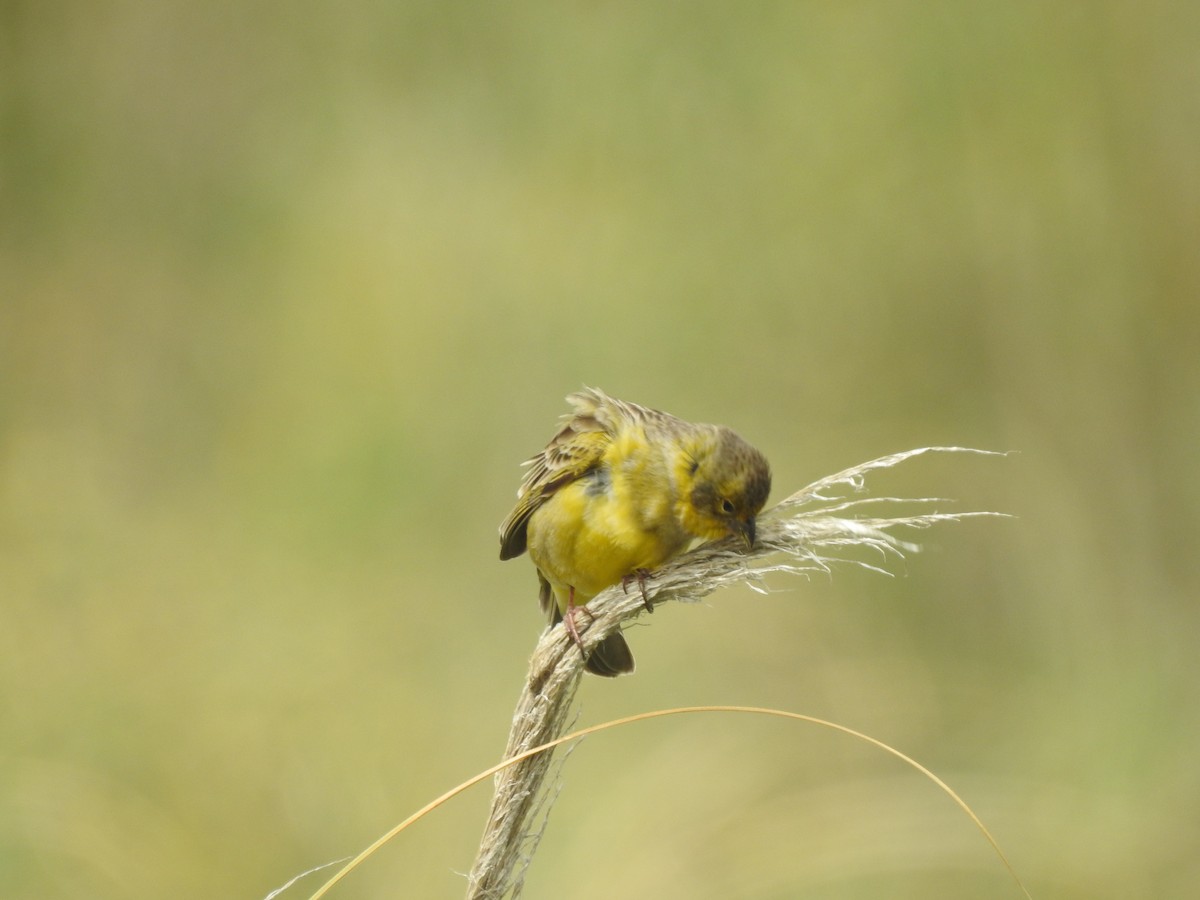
x: 727, y: 507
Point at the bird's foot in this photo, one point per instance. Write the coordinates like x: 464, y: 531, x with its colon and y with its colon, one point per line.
x: 641, y: 575
x: 569, y: 620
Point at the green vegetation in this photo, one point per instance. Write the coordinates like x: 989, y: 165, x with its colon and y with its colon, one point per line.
x: 287, y: 293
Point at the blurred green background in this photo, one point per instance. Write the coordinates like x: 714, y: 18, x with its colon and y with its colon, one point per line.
x: 287, y: 291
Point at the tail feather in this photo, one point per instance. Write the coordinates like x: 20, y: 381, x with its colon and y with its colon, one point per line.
x: 611, y: 657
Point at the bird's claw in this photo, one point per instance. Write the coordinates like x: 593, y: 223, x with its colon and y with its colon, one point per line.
x: 641, y: 575
x: 569, y: 620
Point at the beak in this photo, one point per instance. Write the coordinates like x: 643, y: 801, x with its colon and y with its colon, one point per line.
x: 747, y: 532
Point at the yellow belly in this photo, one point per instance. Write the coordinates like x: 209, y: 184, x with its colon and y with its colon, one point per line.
x: 590, y: 540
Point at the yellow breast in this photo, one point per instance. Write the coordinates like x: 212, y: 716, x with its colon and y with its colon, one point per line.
x: 618, y: 518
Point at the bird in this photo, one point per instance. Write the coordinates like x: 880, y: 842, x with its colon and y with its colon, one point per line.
x: 617, y: 492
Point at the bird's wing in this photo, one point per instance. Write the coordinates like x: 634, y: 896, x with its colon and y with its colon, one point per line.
x: 578, y: 448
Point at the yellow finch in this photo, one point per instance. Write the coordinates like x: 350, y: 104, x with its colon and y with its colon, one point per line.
x: 617, y: 492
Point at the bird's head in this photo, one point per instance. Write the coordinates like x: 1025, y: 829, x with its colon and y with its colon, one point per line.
x: 723, y: 483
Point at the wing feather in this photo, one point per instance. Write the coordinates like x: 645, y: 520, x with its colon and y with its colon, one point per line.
x: 577, y: 448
